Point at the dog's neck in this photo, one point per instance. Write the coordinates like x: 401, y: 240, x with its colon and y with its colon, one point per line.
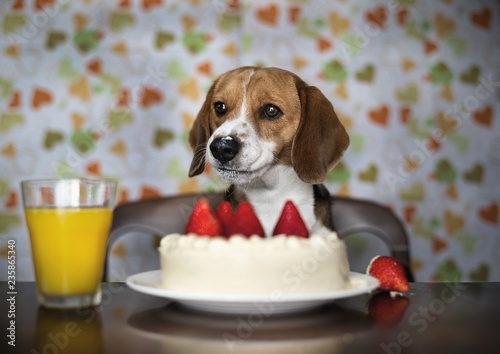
x: 269, y: 193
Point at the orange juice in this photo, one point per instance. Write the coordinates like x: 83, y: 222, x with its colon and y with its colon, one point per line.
x: 68, y: 246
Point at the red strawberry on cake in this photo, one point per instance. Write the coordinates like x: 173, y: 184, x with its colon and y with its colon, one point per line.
x: 245, y: 222
x: 290, y: 222
x: 390, y: 273
x: 202, y: 221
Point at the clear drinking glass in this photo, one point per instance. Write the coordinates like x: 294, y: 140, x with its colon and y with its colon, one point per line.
x: 69, y: 222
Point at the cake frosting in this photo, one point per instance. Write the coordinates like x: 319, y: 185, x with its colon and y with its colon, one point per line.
x: 253, y: 265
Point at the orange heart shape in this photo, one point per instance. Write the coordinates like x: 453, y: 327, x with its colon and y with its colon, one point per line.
x: 94, y: 168
x: 12, y: 200
x: 95, y: 66
x: 149, y: 4
x: 124, y: 4
x: 15, y: 101
x: 324, y: 45
x: 294, y: 14
x: 205, y: 68
x: 123, y: 98
x: 430, y: 47
x: 9, y: 150
x: 409, y: 213
x: 405, y: 114
x: 379, y: 116
x: 438, y: 245
x: 402, y: 16
x: 18, y: 5
x: 268, y: 15
x: 377, y: 17
x: 484, y: 116
x: 489, y: 213
x: 41, y: 97
x: 41, y: 4
x: 482, y: 18
x: 149, y: 192
x: 150, y: 96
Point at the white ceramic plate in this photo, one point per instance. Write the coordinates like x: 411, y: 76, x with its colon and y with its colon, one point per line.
x: 148, y: 283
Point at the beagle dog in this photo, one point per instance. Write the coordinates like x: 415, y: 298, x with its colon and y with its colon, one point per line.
x: 273, y: 138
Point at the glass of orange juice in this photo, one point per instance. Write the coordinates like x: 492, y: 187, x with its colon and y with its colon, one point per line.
x: 68, y: 222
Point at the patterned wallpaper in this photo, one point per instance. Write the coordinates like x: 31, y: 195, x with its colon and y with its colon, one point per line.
x: 111, y: 88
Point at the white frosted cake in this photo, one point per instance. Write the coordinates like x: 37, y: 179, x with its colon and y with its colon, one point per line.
x: 253, y: 265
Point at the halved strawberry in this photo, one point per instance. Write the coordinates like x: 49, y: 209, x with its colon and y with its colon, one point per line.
x: 225, y: 215
x: 290, y: 222
x: 390, y: 273
x: 387, y: 310
x: 245, y: 222
x: 202, y: 220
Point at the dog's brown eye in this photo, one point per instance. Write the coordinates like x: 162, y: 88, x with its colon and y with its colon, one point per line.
x: 271, y: 112
x: 220, y: 108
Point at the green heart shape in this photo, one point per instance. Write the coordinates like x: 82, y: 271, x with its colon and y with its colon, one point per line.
x: 6, y: 87
x: 481, y: 273
x: 52, y: 138
x: 471, y: 76
x: 415, y: 130
x: 334, y: 71
x: 162, y: 39
x: 114, y: 83
x: 118, y: 20
x: 195, y: 42
x: 369, y: 175
x: 339, y: 174
x: 119, y: 117
x: 83, y: 141
x: 305, y: 30
x: 55, y: 39
x: 445, y: 172
x: 86, y: 40
x: 357, y: 143
x: 162, y: 137
x: 9, y: 120
x: 229, y: 21
x: 414, y: 193
x: 175, y: 71
x: 366, y: 74
x: 351, y: 45
x: 4, y: 187
x: 66, y: 70
x: 440, y: 73
x: 458, y: 45
x: 467, y: 242
x: 475, y: 174
x: 461, y: 142
x: 408, y: 94
x: 419, y: 229
x: 449, y: 271
x: 13, y: 22
x: 175, y: 170
x: 64, y: 169
x: 8, y: 221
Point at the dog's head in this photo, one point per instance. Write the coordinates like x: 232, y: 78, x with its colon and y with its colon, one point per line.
x: 255, y: 118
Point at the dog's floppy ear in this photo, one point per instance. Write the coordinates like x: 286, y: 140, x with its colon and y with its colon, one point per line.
x: 321, y: 139
x: 199, y: 135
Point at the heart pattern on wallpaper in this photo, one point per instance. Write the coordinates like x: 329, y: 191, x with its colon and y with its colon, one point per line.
x: 392, y: 76
x: 379, y: 116
x: 453, y: 222
x: 482, y: 18
x: 268, y: 15
x: 483, y: 117
x: 489, y: 213
x: 338, y: 23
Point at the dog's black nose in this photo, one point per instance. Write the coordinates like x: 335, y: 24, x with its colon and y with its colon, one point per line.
x: 224, y: 149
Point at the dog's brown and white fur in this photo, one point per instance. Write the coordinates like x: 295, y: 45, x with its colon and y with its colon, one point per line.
x: 273, y: 138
